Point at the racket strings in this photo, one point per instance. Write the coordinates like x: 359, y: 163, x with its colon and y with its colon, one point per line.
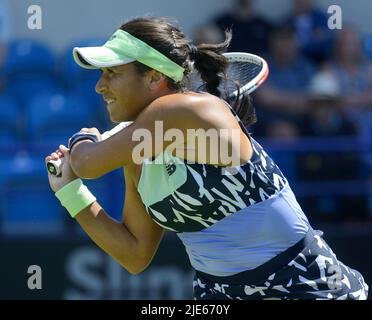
x: 238, y: 74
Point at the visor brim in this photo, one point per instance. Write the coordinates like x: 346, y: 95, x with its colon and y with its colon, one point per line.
x: 98, y: 57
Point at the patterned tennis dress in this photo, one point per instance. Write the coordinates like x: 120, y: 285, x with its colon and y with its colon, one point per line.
x: 244, y: 231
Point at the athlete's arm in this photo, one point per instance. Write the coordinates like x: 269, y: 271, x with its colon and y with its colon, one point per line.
x: 134, y: 241
x: 91, y: 160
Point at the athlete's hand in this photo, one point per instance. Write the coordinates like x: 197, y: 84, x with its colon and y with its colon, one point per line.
x: 94, y: 131
x: 68, y: 175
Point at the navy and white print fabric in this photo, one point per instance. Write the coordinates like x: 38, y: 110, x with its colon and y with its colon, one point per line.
x: 211, y: 193
x: 315, y: 273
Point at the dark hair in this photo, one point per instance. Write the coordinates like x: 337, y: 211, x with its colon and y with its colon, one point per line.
x: 168, y: 39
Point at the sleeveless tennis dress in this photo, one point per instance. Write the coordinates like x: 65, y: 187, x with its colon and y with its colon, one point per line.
x: 244, y: 232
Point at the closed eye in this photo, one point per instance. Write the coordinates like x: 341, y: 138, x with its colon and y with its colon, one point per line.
x: 108, y: 72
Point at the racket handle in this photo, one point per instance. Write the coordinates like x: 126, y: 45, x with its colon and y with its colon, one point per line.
x: 54, y: 167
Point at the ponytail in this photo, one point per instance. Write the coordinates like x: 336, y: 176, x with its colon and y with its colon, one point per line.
x: 211, y: 65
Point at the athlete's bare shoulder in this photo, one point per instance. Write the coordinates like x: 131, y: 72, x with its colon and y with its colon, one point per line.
x: 202, y: 104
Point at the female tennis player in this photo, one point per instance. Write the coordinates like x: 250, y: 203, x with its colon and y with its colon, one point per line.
x: 244, y: 232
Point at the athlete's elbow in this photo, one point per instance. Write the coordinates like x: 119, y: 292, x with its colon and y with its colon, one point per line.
x: 135, y: 271
x: 136, y: 268
x: 82, y: 170
x: 82, y: 165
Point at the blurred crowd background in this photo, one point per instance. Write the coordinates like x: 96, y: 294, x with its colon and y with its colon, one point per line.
x: 314, y: 116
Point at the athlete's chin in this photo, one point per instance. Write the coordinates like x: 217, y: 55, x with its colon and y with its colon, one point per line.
x: 117, y: 119
x: 114, y: 119
x: 112, y: 116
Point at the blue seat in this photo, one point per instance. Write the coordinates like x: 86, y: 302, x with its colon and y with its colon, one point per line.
x: 8, y: 137
x: 29, y: 67
x: 28, y: 56
x: 56, y: 115
x: 28, y: 205
x: 9, y: 110
x: 6, y: 160
x: 10, y: 118
x: 79, y: 80
x: 367, y: 44
x: 24, y: 86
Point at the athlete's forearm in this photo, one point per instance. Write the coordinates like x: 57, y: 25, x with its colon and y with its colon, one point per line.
x: 113, y: 237
x: 92, y: 160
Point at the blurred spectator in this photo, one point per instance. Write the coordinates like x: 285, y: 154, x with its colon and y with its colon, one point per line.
x: 5, y: 34
x: 282, y: 129
x: 282, y: 96
x: 311, y: 25
x: 354, y: 73
x: 325, y: 118
x: 250, y: 32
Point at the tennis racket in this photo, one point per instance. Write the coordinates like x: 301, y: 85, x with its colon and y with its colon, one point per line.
x: 245, y: 73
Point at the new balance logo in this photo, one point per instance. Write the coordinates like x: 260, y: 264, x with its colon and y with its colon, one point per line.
x: 171, y: 167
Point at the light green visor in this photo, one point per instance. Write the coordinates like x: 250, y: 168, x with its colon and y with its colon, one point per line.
x: 123, y: 48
